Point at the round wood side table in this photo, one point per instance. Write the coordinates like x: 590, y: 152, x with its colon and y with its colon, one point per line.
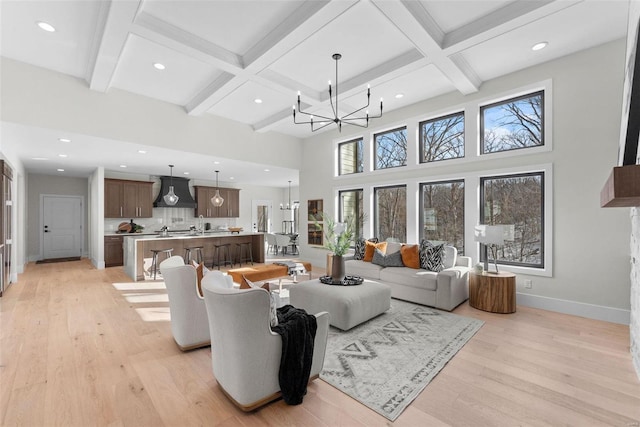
x: 493, y: 292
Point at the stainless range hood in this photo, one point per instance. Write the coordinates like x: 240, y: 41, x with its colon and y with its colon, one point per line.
x: 180, y: 187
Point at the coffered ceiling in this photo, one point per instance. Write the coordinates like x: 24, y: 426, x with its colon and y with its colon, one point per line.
x: 220, y: 56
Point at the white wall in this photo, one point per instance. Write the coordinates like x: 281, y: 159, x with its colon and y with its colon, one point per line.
x: 590, y: 244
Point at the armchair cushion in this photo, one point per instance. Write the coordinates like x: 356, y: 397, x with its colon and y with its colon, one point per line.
x: 273, y: 305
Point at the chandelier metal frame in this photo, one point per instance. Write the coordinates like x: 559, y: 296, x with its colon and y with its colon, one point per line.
x: 349, y: 119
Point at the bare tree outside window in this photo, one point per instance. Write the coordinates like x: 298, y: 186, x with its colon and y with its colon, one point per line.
x: 350, y: 157
x: 391, y: 148
x: 518, y: 200
x: 351, y: 207
x: 513, y: 124
x: 442, y: 138
x: 443, y: 213
x: 391, y: 213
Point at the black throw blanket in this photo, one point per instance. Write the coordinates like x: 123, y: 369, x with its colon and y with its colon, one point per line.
x: 298, y: 332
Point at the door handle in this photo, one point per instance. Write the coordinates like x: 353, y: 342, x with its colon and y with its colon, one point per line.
x: 46, y: 228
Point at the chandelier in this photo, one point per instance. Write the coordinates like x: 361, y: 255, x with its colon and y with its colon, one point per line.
x: 171, y: 198
x: 217, y: 199
x: 350, y: 119
x: 289, y: 206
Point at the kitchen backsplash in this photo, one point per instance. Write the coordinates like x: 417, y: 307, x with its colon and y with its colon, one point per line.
x: 174, y: 218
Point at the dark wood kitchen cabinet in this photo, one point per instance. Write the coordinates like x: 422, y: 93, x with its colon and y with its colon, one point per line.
x: 229, y: 209
x: 127, y: 199
x: 113, y: 252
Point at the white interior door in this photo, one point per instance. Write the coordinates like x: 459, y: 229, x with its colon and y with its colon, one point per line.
x: 62, y: 226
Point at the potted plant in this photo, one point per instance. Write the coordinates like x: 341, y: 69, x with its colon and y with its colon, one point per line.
x: 338, y: 238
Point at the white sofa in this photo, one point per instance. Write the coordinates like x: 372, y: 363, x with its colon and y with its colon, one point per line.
x: 444, y: 290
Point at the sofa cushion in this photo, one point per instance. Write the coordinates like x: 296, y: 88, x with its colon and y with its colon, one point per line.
x: 450, y: 256
x: 363, y: 269
x: 360, y: 245
x: 431, y: 256
x: 370, y: 248
x: 393, y: 247
x: 393, y: 259
x: 410, y: 256
x: 421, y: 279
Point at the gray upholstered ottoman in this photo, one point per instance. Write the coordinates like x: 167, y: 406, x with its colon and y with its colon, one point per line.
x: 348, y: 306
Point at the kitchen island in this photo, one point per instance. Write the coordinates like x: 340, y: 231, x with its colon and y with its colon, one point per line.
x: 138, y: 256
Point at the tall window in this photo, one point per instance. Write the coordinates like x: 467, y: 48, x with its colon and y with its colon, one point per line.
x: 351, y: 207
x: 391, y: 148
x: 516, y: 200
x: 442, y: 138
x: 442, y: 216
x: 512, y: 124
x: 391, y: 213
x: 350, y: 157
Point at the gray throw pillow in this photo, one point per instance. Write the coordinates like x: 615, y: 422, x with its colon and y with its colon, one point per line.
x: 390, y: 260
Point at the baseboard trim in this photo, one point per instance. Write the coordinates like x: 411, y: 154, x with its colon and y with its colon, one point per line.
x: 591, y: 311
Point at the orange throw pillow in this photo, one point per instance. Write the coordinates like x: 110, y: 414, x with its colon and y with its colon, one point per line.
x: 370, y: 249
x: 199, y: 275
x: 410, y: 256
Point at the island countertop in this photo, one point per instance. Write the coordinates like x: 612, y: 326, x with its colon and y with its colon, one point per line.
x: 138, y: 255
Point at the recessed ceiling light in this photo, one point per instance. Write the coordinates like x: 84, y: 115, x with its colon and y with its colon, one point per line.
x: 539, y: 46
x: 258, y: 101
x: 216, y: 162
x: 39, y: 158
x: 46, y: 26
x: 142, y: 152
x: 267, y: 170
x: 62, y: 155
x: 64, y: 140
x: 231, y: 177
x: 399, y: 95
x: 158, y: 66
x: 123, y: 166
x: 60, y: 170
x: 185, y: 173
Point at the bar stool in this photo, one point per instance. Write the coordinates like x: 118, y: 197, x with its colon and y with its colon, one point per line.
x: 223, y: 250
x: 155, y: 265
x: 198, y: 254
x: 244, y: 252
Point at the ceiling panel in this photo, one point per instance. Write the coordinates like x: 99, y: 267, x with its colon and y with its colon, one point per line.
x: 512, y: 51
x: 451, y: 16
x: 67, y: 50
x: 210, y: 21
x: 183, y: 78
x: 240, y: 105
x: 362, y: 35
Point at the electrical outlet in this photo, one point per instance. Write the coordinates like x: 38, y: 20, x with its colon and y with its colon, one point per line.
x: 528, y: 284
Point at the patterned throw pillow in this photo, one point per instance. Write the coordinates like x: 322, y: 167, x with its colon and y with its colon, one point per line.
x: 393, y: 259
x: 359, y: 249
x: 370, y: 247
x: 273, y: 306
x: 431, y: 257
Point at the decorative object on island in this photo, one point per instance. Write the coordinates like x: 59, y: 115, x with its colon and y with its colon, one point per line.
x: 289, y: 206
x: 171, y: 198
x: 217, y: 199
x: 492, y: 235
x: 338, y: 238
x: 350, y: 118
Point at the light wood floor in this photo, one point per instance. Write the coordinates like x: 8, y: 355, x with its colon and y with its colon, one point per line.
x: 75, y: 351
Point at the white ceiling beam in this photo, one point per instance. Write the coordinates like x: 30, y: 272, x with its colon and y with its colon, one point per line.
x: 417, y: 25
x: 110, y: 37
x: 216, y: 91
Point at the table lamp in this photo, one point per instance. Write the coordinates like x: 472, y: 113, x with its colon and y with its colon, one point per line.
x: 490, y: 235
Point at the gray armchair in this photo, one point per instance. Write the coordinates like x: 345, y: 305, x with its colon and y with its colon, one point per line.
x: 245, y: 352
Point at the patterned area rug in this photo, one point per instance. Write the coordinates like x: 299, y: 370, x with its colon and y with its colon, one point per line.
x: 386, y: 362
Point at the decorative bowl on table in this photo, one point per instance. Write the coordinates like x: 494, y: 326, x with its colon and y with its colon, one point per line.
x: 235, y: 229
